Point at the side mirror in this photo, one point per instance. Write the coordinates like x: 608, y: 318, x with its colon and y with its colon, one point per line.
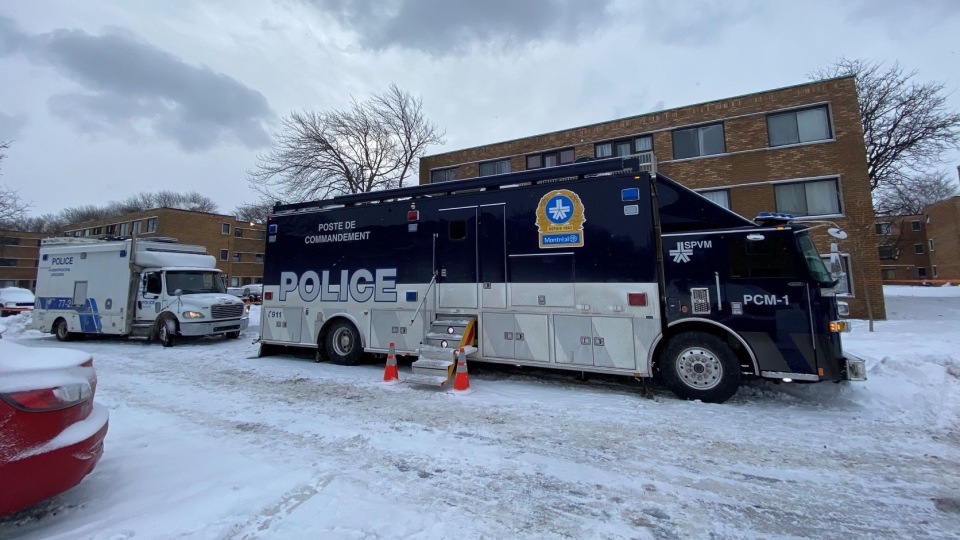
x: 836, y: 263
x: 837, y: 233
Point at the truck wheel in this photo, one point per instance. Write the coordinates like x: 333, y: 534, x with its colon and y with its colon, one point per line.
x: 697, y: 365
x: 62, y: 331
x: 233, y: 335
x: 343, y: 343
x: 167, y: 331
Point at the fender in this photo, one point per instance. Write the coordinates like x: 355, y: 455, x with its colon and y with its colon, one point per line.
x: 653, y: 347
x: 341, y: 315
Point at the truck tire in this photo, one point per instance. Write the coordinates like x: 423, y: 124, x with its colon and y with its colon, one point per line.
x: 698, y: 365
x: 233, y: 335
x: 343, y: 343
x: 62, y: 331
x: 166, y: 331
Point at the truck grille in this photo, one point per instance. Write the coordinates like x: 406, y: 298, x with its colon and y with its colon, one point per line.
x: 227, y: 311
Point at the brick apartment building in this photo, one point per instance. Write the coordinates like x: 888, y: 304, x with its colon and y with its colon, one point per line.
x: 237, y: 245
x: 19, y: 254
x: 943, y: 238
x: 797, y: 150
x: 903, y: 248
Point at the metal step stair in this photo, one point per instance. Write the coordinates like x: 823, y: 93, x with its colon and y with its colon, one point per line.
x: 437, y: 362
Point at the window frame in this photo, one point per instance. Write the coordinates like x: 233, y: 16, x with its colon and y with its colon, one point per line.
x: 225, y: 229
x: 613, y: 143
x: 915, y: 225
x: 136, y: 227
x: 237, y: 257
x: 936, y: 274
x: 919, y: 269
x: 151, y: 225
x: 434, y: 173
x: 721, y: 190
x: 125, y: 228
x: 894, y: 270
x: 258, y: 258
x: 834, y: 179
x: 918, y: 249
x: 496, y: 166
x: 698, y: 129
x: 884, y: 228
x: 237, y: 232
x: 224, y: 255
x: 261, y: 234
x: 830, y: 131
x: 930, y: 245
x: 541, y: 157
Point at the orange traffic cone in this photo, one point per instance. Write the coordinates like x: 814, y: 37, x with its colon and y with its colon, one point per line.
x: 390, y: 373
x: 461, y: 381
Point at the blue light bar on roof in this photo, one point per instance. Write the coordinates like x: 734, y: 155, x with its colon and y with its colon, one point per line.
x: 773, y: 216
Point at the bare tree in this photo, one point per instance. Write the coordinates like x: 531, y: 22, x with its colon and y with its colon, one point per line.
x: 906, y: 125
x: 13, y: 207
x: 375, y: 144
x: 254, y: 213
x: 907, y: 196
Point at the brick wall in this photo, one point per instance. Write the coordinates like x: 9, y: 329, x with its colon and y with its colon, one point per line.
x: 749, y: 168
x: 944, y: 230
x: 22, y: 249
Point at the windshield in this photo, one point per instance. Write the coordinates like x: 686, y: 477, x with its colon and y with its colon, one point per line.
x: 814, y: 262
x: 194, y: 282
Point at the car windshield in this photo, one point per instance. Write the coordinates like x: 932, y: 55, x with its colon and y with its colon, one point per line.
x: 194, y: 282
x: 812, y: 257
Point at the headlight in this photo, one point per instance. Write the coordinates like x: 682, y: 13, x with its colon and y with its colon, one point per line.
x: 843, y: 309
x: 192, y: 315
x: 246, y: 309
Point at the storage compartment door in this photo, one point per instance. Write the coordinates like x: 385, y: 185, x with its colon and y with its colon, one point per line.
x: 613, y: 343
x: 283, y: 324
x: 532, y: 340
x: 388, y: 326
x: 573, y: 339
x: 497, y: 335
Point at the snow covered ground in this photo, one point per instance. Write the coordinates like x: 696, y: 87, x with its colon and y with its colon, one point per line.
x: 206, y: 441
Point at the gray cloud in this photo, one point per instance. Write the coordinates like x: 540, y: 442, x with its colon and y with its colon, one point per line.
x: 442, y: 27
x: 11, y: 126
x: 133, y: 87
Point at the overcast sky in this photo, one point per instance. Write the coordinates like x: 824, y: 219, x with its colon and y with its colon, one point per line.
x: 104, y: 98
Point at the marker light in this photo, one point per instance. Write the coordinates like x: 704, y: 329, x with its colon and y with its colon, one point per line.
x: 787, y: 379
x: 413, y: 215
x: 840, y: 326
x: 637, y: 299
x: 268, y: 296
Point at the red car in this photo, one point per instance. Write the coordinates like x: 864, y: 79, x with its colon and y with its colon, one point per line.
x: 51, y: 431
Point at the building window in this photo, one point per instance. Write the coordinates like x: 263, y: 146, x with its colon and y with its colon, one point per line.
x: 550, y: 159
x: 935, y: 273
x: 915, y: 225
x: 844, y: 282
x: 623, y: 147
x: 136, y: 227
x: 718, y: 196
x: 921, y: 272
x: 918, y: 249
x: 258, y: 258
x: 124, y: 229
x: 889, y: 252
x: 928, y: 219
x: 930, y: 244
x: 9, y: 241
x: 884, y: 229
x: 238, y: 232
x: 444, y: 175
x: 495, y: 167
x: 812, y: 198
x: 225, y: 228
x: 236, y: 257
x: 796, y: 127
x: 8, y: 262
x: 234, y: 282
x: 152, y: 225
x: 261, y: 235
x: 224, y: 254
x: 97, y: 231
x: 698, y: 141
x: 86, y: 232
x: 888, y: 273
x: 111, y: 229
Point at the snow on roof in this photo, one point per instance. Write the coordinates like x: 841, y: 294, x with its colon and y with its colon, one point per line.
x: 15, y: 294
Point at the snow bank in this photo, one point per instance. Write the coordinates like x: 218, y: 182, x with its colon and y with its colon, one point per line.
x: 944, y: 291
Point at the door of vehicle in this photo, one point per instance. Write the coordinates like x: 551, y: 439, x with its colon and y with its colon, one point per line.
x: 150, y: 296
x: 457, y: 259
x: 492, y: 262
x: 769, y: 300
